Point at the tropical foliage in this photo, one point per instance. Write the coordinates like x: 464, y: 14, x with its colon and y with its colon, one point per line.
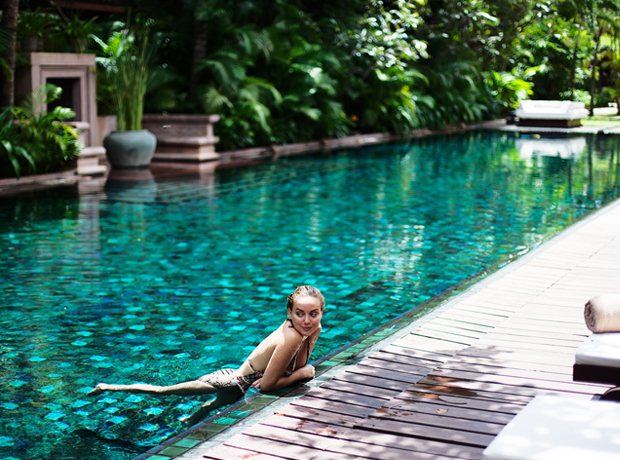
x: 283, y: 71
x: 38, y: 140
x: 289, y: 71
x: 126, y: 70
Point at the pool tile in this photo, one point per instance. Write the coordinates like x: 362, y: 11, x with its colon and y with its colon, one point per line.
x: 172, y: 451
x: 187, y: 443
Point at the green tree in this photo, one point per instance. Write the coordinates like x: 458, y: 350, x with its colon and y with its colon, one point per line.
x: 8, y: 26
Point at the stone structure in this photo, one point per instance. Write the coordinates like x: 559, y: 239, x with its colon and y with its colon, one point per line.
x: 183, y: 137
x: 75, y: 74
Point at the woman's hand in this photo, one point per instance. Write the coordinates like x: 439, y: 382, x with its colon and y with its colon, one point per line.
x: 256, y: 384
x: 306, y: 372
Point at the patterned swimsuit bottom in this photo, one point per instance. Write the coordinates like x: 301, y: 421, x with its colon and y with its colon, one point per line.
x: 224, y: 378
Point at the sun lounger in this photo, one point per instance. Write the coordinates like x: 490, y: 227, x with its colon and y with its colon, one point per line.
x: 564, y: 114
x: 560, y: 428
x: 598, y: 361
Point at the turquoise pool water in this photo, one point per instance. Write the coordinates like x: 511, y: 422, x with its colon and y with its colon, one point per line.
x: 163, y: 280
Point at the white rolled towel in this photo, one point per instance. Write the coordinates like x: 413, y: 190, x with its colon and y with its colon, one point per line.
x: 602, y: 313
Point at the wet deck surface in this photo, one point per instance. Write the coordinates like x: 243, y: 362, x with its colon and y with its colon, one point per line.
x: 443, y: 387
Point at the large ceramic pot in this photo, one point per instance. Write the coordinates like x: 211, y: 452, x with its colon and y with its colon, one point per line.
x: 130, y: 149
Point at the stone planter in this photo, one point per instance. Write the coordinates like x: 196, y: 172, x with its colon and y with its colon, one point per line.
x: 130, y: 149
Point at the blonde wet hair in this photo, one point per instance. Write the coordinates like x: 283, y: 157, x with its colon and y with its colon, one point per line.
x: 304, y: 291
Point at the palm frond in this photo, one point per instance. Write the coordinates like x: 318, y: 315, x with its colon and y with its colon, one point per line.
x: 212, y: 101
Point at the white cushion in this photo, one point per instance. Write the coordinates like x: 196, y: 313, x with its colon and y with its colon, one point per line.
x: 600, y: 349
x: 560, y: 428
x: 552, y: 110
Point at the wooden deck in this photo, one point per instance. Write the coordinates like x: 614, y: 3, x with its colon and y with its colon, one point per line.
x: 444, y: 387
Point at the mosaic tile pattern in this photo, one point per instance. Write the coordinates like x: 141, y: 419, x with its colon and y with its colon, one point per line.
x: 164, y: 280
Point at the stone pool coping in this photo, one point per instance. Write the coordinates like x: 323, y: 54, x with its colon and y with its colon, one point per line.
x: 11, y: 186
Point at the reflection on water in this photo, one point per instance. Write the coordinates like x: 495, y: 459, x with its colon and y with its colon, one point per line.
x: 167, y: 273
x: 567, y: 148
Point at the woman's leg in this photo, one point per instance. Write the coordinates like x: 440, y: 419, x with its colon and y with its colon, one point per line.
x: 195, y: 387
x: 223, y: 398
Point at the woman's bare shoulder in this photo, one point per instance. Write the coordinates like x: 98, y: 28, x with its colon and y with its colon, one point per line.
x: 291, y: 335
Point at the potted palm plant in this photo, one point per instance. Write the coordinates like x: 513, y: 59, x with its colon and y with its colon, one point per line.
x: 126, y: 67
x: 78, y: 31
x: 33, y: 27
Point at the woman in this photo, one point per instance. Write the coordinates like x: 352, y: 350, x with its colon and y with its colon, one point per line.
x: 278, y: 361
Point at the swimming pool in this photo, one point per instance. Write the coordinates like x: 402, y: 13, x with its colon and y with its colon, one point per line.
x: 162, y: 280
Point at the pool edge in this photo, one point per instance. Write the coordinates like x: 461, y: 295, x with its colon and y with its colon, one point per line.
x: 234, y: 419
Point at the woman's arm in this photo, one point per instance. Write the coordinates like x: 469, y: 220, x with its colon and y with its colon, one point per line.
x: 274, y: 377
x: 306, y: 372
x: 284, y: 350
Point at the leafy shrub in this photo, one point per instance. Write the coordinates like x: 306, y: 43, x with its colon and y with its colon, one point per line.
x: 11, y: 152
x: 35, y: 24
x: 38, y: 141
x: 509, y: 88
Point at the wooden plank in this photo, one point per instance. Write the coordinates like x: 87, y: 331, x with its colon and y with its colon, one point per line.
x: 382, y: 452
x: 505, y: 388
x: 466, y: 362
x: 522, y: 334
x: 465, y: 438
x: 223, y: 452
x: 559, y: 326
x: 474, y: 318
x: 453, y: 329
x: 285, y: 450
x: 437, y: 420
x: 504, y: 370
x: 402, y: 356
x: 343, y: 383
x: 309, y: 445
x: 324, y: 410
x: 405, y: 443
x: 345, y: 397
x: 444, y: 336
x: 385, y: 374
x: 539, y: 327
x: 420, y: 355
x: 566, y: 319
x: 422, y: 344
x: 518, y: 345
x: 299, y: 438
x: 417, y: 395
x: 490, y: 309
x: 530, y: 356
x: 477, y: 393
x: 476, y: 328
x: 413, y: 371
x: 529, y: 382
x: 517, y: 369
x: 448, y: 410
x: 492, y: 297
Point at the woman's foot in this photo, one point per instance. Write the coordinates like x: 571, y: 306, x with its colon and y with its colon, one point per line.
x: 97, y: 390
x: 197, y: 416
